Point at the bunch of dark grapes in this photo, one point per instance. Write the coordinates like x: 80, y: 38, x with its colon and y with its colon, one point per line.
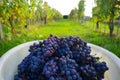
x: 66, y: 58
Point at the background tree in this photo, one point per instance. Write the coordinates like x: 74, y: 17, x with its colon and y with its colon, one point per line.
x: 39, y: 10
x: 56, y: 14
x: 1, y: 32
x: 51, y: 13
x: 97, y: 16
x: 23, y: 16
x: 26, y: 13
x: 109, y: 9
x: 32, y: 9
x: 46, y: 9
x: 81, y: 9
x: 16, y: 13
x: 73, y: 14
x: 1, y: 10
x: 4, y: 16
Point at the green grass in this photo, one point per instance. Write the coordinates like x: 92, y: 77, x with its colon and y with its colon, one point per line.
x: 64, y: 28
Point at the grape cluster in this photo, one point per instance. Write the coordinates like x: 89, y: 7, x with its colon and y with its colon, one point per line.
x: 66, y: 58
x: 68, y: 68
x: 50, y: 69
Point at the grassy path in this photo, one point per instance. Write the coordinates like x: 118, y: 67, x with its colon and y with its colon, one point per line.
x: 63, y: 28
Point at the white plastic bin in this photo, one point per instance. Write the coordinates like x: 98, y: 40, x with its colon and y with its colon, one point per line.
x: 10, y: 60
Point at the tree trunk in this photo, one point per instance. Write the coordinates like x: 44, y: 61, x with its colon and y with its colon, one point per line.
x: 111, y: 21
x: 1, y: 33
x: 97, y: 25
x: 45, y: 19
x: 12, y: 26
x: 111, y: 27
x: 118, y: 29
x: 13, y: 30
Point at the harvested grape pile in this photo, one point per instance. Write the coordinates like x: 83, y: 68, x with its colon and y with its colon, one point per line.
x: 61, y: 59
